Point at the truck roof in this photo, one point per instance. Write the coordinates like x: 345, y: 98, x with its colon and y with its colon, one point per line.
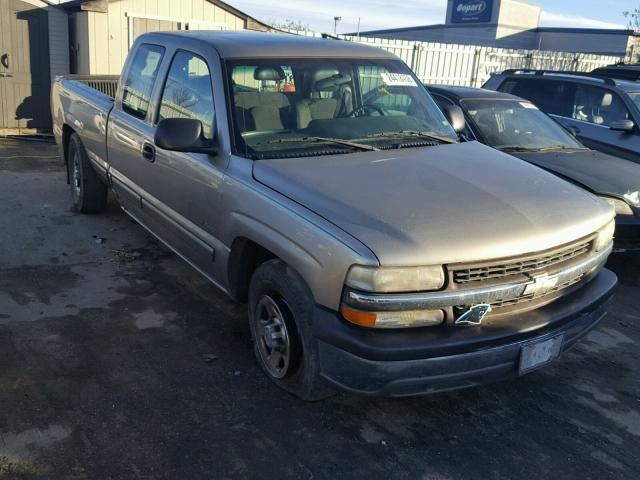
x: 241, y: 44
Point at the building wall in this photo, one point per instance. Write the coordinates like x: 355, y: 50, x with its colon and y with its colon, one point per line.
x: 516, y: 17
x: 95, y: 30
x: 602, y: 43
x: 58, y: 42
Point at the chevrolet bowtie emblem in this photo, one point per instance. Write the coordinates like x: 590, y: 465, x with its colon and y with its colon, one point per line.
x: 541, y: 284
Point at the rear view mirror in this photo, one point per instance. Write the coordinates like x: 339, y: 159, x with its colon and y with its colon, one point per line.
x: 622, y: 126
x: 183, y: 135
x: 455, y: 116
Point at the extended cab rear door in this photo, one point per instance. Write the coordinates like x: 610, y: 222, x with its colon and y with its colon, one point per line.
x: 175, y: 195
x: 130, y: 133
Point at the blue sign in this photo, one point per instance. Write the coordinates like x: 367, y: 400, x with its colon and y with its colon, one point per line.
x: 471, y: 11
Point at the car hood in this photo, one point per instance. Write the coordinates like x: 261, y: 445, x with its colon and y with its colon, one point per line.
x: 599, y: 172
x: 445, y: 204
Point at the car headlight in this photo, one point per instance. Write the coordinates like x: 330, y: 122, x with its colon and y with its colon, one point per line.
x: 605, y: 236
x: 395, y: 279
x: 622, y: 207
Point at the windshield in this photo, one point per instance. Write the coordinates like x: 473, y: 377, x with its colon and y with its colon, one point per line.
x: 304, y: 107
x: 635, y: 98
x: 517, y: 125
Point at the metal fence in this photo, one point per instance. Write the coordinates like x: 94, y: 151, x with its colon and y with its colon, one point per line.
x: 469, y: 65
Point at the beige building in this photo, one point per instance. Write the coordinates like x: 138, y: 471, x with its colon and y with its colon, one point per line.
x: 101, y: 31
x: 40, y: 39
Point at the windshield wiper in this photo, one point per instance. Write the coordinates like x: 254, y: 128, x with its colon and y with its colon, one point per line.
x: 337, y: 141
x: 515, y: 148
x: 560, y: 147
x: 414, y: 133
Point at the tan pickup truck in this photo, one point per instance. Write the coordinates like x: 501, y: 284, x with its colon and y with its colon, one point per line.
x: 317, y: 181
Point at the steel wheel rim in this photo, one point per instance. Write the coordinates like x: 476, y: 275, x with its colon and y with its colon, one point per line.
x: 272, y: 337
x: 75, y: 176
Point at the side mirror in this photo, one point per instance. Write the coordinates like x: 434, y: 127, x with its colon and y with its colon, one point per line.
x: 622, y: 126
x: 455, y: 116
x: 183, y: 135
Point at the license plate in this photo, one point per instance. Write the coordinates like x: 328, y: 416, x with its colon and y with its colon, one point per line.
x: 538, y: 353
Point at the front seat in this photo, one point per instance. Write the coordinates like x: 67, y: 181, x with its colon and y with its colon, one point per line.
x: 323, y: 82
x: 264, y: 109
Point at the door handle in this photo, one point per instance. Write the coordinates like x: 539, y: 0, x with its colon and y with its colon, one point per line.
x: 148, y: 152
x: 2, y: 74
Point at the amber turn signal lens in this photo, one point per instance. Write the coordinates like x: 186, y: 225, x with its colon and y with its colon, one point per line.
x: 366, y: 319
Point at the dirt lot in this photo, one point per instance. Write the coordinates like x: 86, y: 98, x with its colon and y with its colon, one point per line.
x: 107, y: 372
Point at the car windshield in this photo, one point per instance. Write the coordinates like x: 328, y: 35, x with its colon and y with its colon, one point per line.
x: 635, y: 98
x: 517, y: 125
x: 305, y: 107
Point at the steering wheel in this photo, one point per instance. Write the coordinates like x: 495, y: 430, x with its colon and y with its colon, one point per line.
x: 362, y: 110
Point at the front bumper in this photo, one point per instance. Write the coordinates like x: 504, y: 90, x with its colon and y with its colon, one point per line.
x: 627, y: 236
x: 435, y: 359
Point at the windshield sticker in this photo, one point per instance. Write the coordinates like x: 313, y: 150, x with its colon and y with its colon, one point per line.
x: 528, y: 105
x: 398, y: 79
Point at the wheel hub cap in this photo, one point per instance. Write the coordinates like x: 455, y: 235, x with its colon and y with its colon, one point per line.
x: 272, y: 338
x: 75, y: 177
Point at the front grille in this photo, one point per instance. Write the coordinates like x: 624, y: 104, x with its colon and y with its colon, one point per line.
x: 523, y: 299
x: 465, y: 275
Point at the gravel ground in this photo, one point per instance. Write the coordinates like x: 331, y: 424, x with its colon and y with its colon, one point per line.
x: 118, y: 361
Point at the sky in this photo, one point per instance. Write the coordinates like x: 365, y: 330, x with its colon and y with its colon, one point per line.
x: 380, y: 14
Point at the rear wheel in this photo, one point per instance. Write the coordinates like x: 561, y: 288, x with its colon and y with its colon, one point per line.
x: 88, y: 192
x: 280, y: 316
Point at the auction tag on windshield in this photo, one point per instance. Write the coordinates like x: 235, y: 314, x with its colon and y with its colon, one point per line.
x: 398, y: 79
x: 529, y: 105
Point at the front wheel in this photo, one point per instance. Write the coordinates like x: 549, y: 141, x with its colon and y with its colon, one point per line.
x: 88, y: 192
x: 280, y: 316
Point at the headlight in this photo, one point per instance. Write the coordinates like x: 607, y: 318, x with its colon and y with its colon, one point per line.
x: 622, y: 207
x: 605, y: 236
x: 395, y: 279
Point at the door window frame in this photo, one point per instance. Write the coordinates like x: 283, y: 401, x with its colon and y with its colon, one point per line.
x: 161, y: 87
x: 127, y: 68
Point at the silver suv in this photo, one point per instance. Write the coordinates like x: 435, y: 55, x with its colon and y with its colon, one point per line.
x: 604, y: 113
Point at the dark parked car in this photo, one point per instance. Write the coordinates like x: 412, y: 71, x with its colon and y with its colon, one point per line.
x: 623, y: 72
x: 604, y: 113
x: 516, y: 126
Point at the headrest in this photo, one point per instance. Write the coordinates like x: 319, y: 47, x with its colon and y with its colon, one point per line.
x: 607, y: 100
x: 268, y: 73
x: 323, y: 73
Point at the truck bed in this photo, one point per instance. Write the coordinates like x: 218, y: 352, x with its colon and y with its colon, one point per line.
x: 84, y: 102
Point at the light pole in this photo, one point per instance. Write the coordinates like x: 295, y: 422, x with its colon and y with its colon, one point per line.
x: 335, y: 24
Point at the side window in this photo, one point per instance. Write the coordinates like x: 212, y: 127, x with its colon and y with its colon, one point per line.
x: 551, y: 96
x: 598, y: 105
x: 187, y: 92
x: 441, y: 101
x: 140, y: 79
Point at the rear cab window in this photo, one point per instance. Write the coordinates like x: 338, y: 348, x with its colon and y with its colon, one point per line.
x: 141, y: 76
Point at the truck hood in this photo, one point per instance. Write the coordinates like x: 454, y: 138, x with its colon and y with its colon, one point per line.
x: 445, y: 204
x: 601, y: 173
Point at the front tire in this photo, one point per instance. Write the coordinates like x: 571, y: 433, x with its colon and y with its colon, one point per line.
x: 280, y: 318
x: 88, y: 192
